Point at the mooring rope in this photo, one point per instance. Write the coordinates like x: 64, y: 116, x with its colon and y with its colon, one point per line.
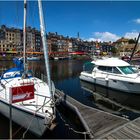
x: 70, y: 128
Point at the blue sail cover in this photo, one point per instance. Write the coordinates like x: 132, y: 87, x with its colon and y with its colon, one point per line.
x: 19, y: 63
x: 19, y: 67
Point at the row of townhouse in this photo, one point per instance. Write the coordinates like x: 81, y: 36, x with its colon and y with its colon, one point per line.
x: 11, y: 39
x: 59, y: 44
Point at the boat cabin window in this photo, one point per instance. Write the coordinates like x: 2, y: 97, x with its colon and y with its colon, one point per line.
x: 128, y: 69
x: 116, y: 71
x: 109, y: 69
x: 102, y: 68
x: 88, y: 67
x: 105, y: 69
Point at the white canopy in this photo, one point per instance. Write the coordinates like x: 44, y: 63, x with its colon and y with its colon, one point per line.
x: 111, y: 62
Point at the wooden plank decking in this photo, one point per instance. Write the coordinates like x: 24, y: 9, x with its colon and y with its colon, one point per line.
x: 130, y: 130
x: 98, y: 123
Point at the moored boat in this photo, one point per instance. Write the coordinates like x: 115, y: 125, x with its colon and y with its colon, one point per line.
x: 36, y: 112
x: 26, y: 99
x: 33, y: 58
x: 112, y: 73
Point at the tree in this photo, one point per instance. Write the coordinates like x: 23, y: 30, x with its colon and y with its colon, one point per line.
x: 132, y: 41
x: 114, y: 50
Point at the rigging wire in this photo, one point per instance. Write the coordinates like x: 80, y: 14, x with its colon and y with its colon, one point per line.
x: 17, y: 13
x: 70, y: 128
x: 32, y: 119
x: 33, y: 12
x: 30, y: 122
x: 41, y: 106
x: 66, y: 124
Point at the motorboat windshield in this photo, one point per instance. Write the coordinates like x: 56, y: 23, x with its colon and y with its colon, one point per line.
x: 128, y: 69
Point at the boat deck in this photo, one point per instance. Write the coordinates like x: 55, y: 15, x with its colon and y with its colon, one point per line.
x: 96, y: 122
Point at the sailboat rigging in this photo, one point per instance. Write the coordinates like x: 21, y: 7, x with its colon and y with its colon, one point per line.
x: 132, y: 56
x: 18, y: 85
x: 133, y: 52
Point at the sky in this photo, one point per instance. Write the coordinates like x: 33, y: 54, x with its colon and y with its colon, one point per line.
x: 94, y: 20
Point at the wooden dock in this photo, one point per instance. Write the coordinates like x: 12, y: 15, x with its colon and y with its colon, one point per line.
x: 96, y: 122
x: 130, y: 130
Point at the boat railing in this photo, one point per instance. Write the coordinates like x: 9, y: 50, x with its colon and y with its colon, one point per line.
x: 113, y: 74
x: 43, y: 77
x: 39, y: 75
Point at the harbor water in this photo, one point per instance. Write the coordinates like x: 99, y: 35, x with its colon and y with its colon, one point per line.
x: 65, y: 75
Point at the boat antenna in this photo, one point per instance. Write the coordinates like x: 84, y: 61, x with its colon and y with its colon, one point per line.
x: 45, y: 48
x: 24, y: 35
x: 134, y: 48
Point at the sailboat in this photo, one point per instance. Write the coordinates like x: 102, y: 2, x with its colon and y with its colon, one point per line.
x: 31, y: 98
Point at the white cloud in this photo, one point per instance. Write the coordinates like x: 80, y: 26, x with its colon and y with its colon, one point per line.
x: 94, y: 39
x: 131, y: 35
x: 137, y: 20
x: 107, y: 36
x: 104, y: 36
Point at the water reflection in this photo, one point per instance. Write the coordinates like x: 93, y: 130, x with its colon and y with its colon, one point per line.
x: 113, y: 101
x: 60, y: 70
x: 65, y: 75
x: 65, y: 69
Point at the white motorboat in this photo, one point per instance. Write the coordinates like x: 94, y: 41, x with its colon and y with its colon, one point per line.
x: 25, y: 99
x: 33, y: 58
x: 112, y: 73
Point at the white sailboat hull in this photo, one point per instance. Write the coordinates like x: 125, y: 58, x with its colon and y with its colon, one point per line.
x: 25, y: 118
x: 35, y: 114
x: 112, y: 82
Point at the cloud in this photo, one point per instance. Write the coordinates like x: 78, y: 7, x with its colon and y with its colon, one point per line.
x: 131, y: 35
x: 137, y: 20
x: 107, y: 36
x: 104, y: 36
x: 94, y: 39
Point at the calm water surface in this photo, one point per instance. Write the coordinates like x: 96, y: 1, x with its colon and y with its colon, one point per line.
x: 65, y: 74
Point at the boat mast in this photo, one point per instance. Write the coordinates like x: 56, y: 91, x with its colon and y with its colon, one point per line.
x: 24, y: 35
x: 134, y: 48
x: 45, y: 48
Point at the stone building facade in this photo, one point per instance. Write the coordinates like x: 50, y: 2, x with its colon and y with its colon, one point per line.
x: 58, y: 45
